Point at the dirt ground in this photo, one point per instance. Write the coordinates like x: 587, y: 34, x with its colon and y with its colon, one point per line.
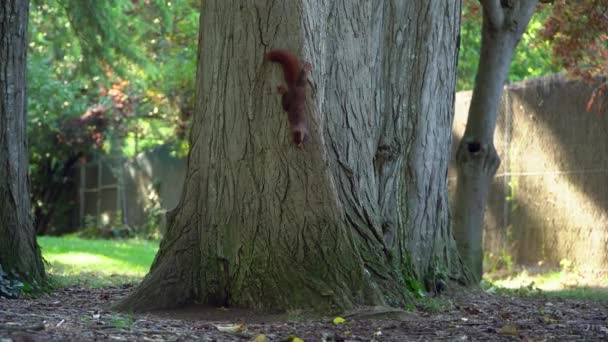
x: 82, y: 314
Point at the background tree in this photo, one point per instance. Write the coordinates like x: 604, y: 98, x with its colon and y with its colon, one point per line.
x: 360, y: 216
x: 477, y: 161
x: 575, y: 32
x: 19, y: 253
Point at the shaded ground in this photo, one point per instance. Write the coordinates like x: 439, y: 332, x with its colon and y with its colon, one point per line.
x: 82, y: 314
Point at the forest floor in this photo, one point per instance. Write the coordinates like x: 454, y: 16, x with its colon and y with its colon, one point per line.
x: 83, y: 314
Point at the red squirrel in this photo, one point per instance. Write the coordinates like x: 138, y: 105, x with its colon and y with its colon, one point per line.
x: 294, y: 96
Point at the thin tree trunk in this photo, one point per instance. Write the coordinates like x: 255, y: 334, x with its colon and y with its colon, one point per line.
x: 18, y: 249
x: 503, y: 24
x: 360, y: 216
x: 55, y: 186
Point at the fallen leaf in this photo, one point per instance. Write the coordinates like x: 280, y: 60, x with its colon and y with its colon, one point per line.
x: 260, y: 338
x: 339, y: 320
x: 508, y: 329
x: 547, y: 319
x: 230, y: 328
x: 292, y: 338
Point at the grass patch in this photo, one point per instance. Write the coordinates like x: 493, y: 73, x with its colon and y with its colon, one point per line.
x: 593, y: 294
x: 435, y: 304
x: 567, y: 283
x: 96, y: 263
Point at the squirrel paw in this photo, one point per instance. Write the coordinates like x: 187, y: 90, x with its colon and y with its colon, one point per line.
x: 281, y: 90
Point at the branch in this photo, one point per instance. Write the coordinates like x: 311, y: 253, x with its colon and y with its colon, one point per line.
x: 494, y: 12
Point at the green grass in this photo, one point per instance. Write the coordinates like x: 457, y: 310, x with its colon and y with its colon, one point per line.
x: 565, y: 284
x: 96, y: 263
x: 582, y: 293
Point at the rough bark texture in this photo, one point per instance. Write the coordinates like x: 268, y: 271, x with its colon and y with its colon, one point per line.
x: 503, y: 24
x: 18, y: 249
x: 361, y: 213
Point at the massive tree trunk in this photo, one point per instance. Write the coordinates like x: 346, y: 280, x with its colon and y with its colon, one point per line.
x: 503, y: 24
x: 360, y: 215
x: 18, y: 249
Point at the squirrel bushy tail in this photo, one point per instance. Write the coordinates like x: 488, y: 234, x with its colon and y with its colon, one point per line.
x: 289, y: 61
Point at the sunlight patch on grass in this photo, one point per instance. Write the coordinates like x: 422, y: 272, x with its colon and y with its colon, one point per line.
x: 550, y: 281
x: 565, y: 283
x: 95, y: 263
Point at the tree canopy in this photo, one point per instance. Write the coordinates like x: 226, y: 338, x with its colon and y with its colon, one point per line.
x: 561, y: 36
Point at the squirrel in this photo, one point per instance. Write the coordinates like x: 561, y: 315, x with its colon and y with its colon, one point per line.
x: 294, y: 95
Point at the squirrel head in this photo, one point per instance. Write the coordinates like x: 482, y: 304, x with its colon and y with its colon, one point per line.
x: 299, y: 137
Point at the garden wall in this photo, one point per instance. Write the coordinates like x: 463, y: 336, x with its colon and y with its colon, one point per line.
x: 549, y: 199
x: 137, y: 189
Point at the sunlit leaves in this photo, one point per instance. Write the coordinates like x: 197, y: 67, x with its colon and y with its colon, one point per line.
x: 579, y: 34
x: 98, y: 69
x: 532, y: 56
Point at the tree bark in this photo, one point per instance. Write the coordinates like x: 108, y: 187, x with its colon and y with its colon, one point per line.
x: 18, y: 249
x: 360, y: 216
x: 504, y: 22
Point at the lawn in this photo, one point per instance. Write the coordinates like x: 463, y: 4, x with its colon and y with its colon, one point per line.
x: 96, y: 263
x: 565, y: 283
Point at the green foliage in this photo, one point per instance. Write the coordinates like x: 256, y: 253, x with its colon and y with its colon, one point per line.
x: 96, y: 263
x: 55, y: 102
x: 107, y: 32
x: 10, y: 287
x: 415, y: 286
x: 123, y: 321
x: 565, y: 35
x: 115, y: 54
x: 532, y: 57
x: 470, y: 44
x: 104, y: 77
x: 495, y: 263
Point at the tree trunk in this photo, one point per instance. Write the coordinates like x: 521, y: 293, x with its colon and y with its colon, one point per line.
x: 18, y: 249
x: 503, y: 24
x: 360, y: 215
